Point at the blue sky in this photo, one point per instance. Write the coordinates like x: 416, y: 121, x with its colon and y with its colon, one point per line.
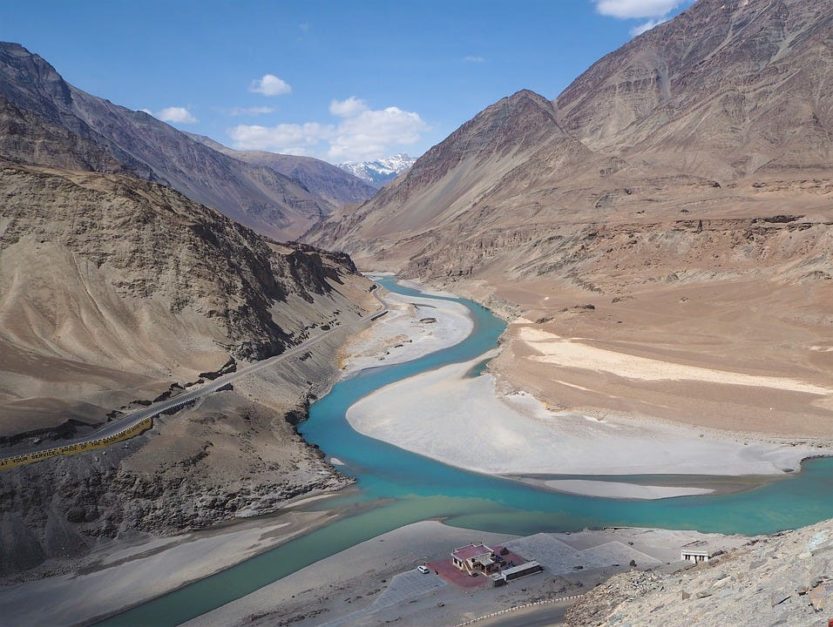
x: 343, y: 80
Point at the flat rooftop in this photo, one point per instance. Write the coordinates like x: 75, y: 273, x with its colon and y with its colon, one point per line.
x: 470, y: 551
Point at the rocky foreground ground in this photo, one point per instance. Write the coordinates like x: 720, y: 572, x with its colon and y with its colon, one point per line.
x: 785, y: 579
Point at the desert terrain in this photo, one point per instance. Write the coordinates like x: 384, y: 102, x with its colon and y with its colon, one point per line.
x: 740, y: 357
x: 667, y: 215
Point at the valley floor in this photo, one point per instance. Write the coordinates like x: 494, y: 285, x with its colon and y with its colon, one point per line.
x: 531, y: 442
x: 376, y: 582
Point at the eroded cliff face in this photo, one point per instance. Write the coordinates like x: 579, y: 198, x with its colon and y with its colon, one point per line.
x: 232, y: 456
x: 114, y: 291
x: 725, y: 90
x: 106, y: 278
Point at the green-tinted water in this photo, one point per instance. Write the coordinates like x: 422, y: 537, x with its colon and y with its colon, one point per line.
x: 412, y: 488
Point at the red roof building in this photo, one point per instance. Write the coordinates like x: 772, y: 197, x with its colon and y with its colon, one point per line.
x: 474, y: 558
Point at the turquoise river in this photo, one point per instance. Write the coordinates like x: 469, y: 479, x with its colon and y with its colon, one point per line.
x: 397, y: 488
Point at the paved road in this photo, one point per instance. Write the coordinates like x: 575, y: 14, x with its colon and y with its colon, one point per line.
x: 128, y: 420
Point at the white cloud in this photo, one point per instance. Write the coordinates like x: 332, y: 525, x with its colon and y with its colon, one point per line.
x: 370, y: 134
x: 294, y: 139
x: 238, y: 111
x: 473, y: 58
x: 174, y: 115
x: 270, y: 85
x: 361, y: 133
x: 347, y: 108
x: 631, y: 9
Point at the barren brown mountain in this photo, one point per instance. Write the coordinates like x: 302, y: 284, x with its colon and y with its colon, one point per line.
x: 47, y: 121
x: 117, y: 290
x: 323, y: 179
x: 114, y: 291
x: 673, y: 204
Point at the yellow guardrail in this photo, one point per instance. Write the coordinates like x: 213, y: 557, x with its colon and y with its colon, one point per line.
x: 78, y: 447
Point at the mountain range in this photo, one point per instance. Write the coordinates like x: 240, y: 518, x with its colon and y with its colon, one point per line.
x: 712, y: 115
x: 333, y: 184
x: 75, y: 129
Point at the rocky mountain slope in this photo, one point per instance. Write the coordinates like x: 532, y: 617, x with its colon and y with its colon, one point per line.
x: 380, y: 172
x: 333, y: 184
x: 470, y: 164
x: 705, y: 113
x: 689, y: 167
x: 782, y: 579
x: 114, y: 291
x: 108, y: 280
x: 66, y: 127
x: 728, y: 89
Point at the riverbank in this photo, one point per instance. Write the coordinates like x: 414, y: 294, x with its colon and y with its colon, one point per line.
x: 411, y: 488
x: 735, y: 355
x: 121, y: 574
x: 470, y: 423
x: 376, y: 582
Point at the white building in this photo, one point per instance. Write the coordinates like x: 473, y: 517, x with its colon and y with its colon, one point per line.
x: 689, y: 555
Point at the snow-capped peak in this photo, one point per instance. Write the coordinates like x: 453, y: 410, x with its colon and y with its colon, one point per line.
x: 381, y: 171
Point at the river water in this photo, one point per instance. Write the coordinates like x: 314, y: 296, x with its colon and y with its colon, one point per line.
x: 397, y: 488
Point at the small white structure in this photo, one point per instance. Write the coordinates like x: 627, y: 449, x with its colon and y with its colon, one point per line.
x: 505, y: 576
x: 689, y: 555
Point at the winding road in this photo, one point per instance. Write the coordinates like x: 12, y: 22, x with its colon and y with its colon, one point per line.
x: 129, y: 420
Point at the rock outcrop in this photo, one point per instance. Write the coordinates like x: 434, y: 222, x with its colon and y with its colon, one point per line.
x: 782, y: 579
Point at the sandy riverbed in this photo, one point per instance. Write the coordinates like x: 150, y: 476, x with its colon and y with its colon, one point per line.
x: 467, y: 422
x: 120, y: 575
x: 412, y: 328
x: 615, y: 489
